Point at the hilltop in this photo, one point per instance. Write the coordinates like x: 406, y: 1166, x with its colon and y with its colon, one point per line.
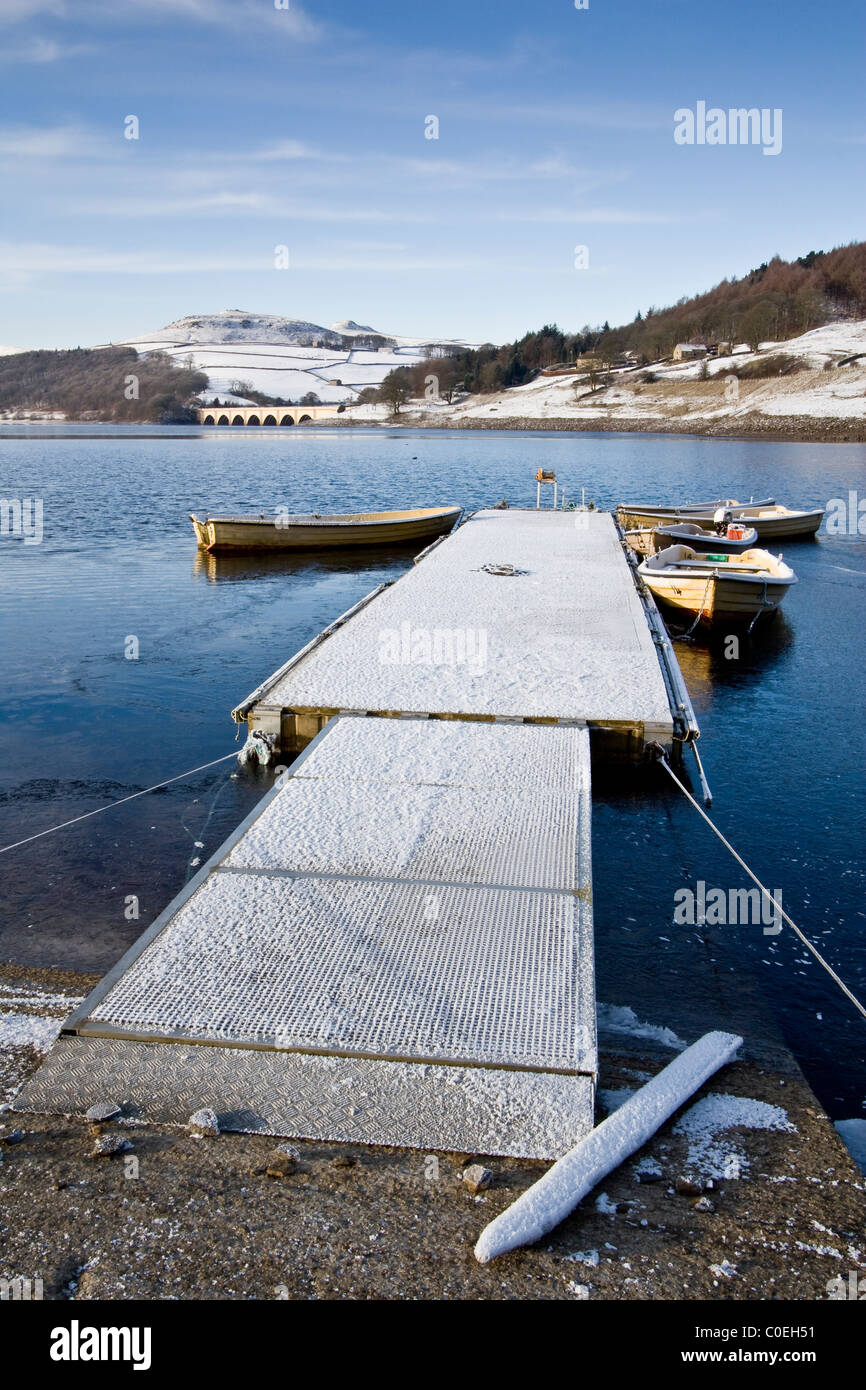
x: 247, y: 355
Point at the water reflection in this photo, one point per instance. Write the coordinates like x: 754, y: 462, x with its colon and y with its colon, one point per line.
x: 252, y: 566
x: 714, y: 659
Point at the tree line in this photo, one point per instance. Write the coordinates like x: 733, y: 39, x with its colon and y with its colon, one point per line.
x: 777, y: 300
x: 110, y: 384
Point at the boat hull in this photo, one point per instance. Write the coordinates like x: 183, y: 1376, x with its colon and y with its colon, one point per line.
x: 782, y: 526
x: 737, y: 588
x: 723, y: 600
x: 234, y: 535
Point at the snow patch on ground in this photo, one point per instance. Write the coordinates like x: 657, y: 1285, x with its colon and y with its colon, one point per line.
x: 35, y: 998
x: 28, y: 1030
x: 704, y: 1125
x: 584, y: 1257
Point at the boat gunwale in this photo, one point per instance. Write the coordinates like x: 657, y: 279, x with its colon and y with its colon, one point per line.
x: 730, y: 568
x: 344, y: 520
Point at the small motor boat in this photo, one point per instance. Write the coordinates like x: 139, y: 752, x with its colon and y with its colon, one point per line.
x: 775, y: 521
x: 717, y: 587
x: 727, y: 538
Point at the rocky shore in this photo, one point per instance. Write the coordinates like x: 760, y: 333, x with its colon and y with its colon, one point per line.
x: 782, y: 429
x: 746, y: 1194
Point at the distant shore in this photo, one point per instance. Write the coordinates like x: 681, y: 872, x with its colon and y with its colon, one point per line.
x: 801, y: 429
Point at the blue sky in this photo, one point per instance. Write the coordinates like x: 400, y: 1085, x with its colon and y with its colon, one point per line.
x: 305, y: 127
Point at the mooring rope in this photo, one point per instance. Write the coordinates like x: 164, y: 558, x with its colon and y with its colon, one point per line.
x: 686, y: 636
x: 767, y: 894
x: 112, y: 804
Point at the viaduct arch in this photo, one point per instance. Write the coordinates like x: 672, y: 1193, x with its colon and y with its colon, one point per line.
x: 264, y: 415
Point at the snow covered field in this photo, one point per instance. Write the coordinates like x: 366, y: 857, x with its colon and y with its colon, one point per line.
x: 287, y: 358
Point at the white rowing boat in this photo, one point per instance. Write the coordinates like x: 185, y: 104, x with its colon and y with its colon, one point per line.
x: 632, y: 515
x: 321, y: 532
x: 717, y: 587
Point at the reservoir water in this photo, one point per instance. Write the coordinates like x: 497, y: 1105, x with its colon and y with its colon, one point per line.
x: 123, y: 650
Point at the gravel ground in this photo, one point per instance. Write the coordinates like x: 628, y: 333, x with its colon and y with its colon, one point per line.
x: 176, y: 1217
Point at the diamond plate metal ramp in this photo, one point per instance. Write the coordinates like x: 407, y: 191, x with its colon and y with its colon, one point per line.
x: 396, y: 948
x: 471, y: 1110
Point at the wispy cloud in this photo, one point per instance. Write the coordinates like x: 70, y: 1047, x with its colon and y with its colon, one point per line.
x: 41, y: 259
x: 14, y: 11
x: 42, y: 50
x: 291, y: 150
x: 51, y: 142
x: 613, y: 216
x: 264, y: 205
x: 250, y: 15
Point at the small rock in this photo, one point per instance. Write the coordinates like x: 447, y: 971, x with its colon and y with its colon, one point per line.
x: 687, y: 1187
x: 343, y: 1161
x: 649, y: 1175
x: 703, y: 1204
x: 14, y: 1136
x: 103, y: 1110
x: 60, y: 1186
x: 281, y: 1166
x: 477, y: 1178
x: 204, y: 1124
x: 290, y: 1150
x: 107, y: 1145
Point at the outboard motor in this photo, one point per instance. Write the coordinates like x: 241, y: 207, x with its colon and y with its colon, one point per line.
x: 722, y: 519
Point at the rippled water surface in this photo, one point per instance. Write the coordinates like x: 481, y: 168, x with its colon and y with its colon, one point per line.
x: 80, y: 725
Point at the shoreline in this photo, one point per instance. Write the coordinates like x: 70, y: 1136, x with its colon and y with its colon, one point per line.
x: 773, y: 429
x: 785, y: 429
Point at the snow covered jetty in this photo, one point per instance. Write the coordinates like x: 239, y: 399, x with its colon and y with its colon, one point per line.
x: 396, y: 947
x: 518, y: 615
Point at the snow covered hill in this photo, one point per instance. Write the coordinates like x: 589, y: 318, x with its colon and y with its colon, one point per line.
x: 287, y: 358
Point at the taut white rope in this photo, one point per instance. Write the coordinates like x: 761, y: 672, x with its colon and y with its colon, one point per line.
x: 112, y: 804
x: 767, y: 894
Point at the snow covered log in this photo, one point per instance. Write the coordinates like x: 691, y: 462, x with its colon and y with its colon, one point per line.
x: 551, y: 1199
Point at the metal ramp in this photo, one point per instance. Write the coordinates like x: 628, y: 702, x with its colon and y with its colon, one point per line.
x: 395, y: 948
